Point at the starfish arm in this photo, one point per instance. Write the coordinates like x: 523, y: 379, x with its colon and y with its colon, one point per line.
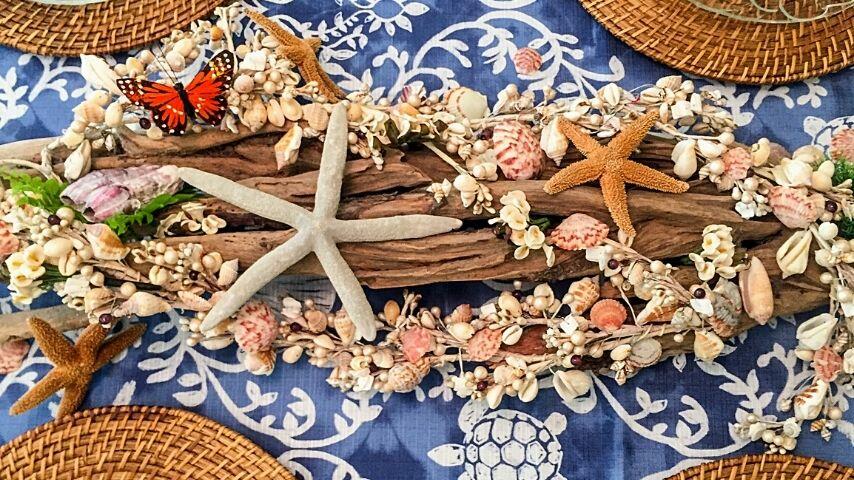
x: 348, y: 288
x: 312, y: 70
x: 575, y: 174
x: 614, y: 193
x: 72, y: 396
x: 53, y: 343
x: 283, y: 36
x: 641, y: 175
x: 332, y: 161
x: 633, y: 134
x: 47, y: 386
x: 249, y: 199
x: 392, y: 228
x: 259, y: 274
x: 582, y: 141
x: 90, y: 341
x: 118, y: 343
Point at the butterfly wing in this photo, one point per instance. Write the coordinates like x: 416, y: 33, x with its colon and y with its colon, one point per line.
x: 208, y: 90
x: 163, y: 101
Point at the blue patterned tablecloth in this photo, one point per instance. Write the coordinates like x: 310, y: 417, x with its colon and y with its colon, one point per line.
x: 669, y: 417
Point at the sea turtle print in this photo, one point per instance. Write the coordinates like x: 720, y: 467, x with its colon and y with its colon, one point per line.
x: 821, y: 131
x: 504, y: 445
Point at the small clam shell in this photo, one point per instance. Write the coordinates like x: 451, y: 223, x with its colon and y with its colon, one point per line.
x: 842, y: 144
x: 527, y: 61
x: 291, y: 109
x: 707, y: 345
x: 792, y: 207
x: 570, y: 384
x: 464, y: 102
x: 608, y: 315
x: 578, y: 232
x: 816, y: 332
x: 584, y: 293
x: 12, y: 355
x: 517, y: 150
x: 483, y: 345
x: 756, y: 292
x: 287, y: 148
x: 106, y: 245
x: 227, y: 273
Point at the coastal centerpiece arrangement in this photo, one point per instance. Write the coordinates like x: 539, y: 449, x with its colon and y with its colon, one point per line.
x: 628, y: 227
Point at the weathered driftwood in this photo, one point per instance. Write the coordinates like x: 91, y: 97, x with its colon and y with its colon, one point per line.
x: 13, y: 326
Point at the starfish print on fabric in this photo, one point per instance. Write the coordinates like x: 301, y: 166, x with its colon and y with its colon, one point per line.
x: 301, y: 52
x: 73, y: 364
x: 318, y: 231
x: 611, y: 165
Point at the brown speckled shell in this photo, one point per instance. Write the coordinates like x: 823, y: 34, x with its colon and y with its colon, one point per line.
x: 827, y: 364
x: 579, y: 231
x: 517, y: 150
x: 404, y: 377
x: 585, y: 292
x: 483, y: 345
x: 608, y: 315
x: 792, y: 207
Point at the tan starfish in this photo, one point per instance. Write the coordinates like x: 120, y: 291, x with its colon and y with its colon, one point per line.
x: 611, y: 165
x: 301, y: 52
x: 73, y: 364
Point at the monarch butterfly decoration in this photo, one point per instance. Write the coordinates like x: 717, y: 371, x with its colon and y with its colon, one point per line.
x: 173, y: 106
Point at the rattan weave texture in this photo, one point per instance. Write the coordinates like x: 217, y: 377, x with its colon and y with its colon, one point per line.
x: 767, y: 467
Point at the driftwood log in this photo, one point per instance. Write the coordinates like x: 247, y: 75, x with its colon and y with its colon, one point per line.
x: 669, y: 226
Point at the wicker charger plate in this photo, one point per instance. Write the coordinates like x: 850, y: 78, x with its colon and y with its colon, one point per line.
x: 136, y: 442
x: 73, y: 27
x: 744, y: 41
x: 767, y: 467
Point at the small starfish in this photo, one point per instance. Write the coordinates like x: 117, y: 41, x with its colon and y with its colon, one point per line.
x: 611, y: 165
x: 318, y: 231
x: 301, y: 52
x: 73, y: 364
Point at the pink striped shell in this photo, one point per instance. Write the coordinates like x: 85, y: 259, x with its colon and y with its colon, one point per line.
x: 12, y: 355
x: 842, y: 145
x: 608, y: 315
x: 256, y: 327
x: 527, y: 61
x: 792, y: 207
x: 517, y: 150
x: 416, y: 342
x: 826, y: 363
x: 9, y: 243
x: 737, y: 162
x: 483, y: 344
x: 579, y: 231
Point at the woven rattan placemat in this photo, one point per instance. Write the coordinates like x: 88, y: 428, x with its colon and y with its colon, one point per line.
x: 767, y: 467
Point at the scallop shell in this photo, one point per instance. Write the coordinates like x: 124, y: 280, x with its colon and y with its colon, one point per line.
x: 707, y: 345
x: 464, y: 102
x: 527, y: 61
x: 792, y: 207
x: 578, y: 232
x: 826, y: 363
x: 608, y: 315
x: 12, y: 354
x: 256, y: 327
x: 483, y: 345
x: 517, y: 150
x: 756, y: 292
x: 737, y: 162
x: 416, y: 342
x: 404, y: 377
x: 105, y: 243
x: 842, y: 145
x: 9, y: 243
x: 584, y: 293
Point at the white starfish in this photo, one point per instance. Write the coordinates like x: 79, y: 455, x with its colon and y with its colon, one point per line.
x: 318, y: 231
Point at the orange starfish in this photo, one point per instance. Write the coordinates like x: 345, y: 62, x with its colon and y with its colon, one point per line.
x: 73, y: 364
x: 611, y: 165
x: 301, y: 52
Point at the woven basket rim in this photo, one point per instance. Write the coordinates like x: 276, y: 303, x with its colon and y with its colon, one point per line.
x: 94, y: 28
x: 697, y: 41
x: 106, y: 436
x: 756, y: 467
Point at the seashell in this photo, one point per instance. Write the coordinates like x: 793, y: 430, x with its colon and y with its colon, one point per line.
x: 316, y: 321
x: 464, y: 102
x: 462, y: 313
x: 106, y: 245
x: 737, y: 162
x: 217, y: 343
x: 12, y: 353
x: 316, y: 116
x: 9, y: 243
x: 848, y: 361
x: 608, y: 315
x: 584, y: 293
x: 79, y: 162
x: 816, y: 332
x: 756, y: 292
x: 255, y: 61
x: 292, y: 354
x: 494, y: 395
x: 828, y: 231
x: 260, y: 363
x: 57, y: 247
x: 243, y: 84
x: 792, y: 207
x: 655, y: 312
x: 404, y: 377
x: 529, y: 390
x: 176, y: 61
x: 383, y: 358
x: 416, y: 342
x: 255, y: 327
x: 578, y: 232
x: 143, y: 304
x: 193, y: 302
x: 344, y: 327
x: 185, y: 46
x: 842, y: 144
x: 553, y: 142
x: 255, y: 115
x: 287, y: 148
x: 391, y: 311
x: 527, y: 61
x: 114, y: 116
x: 90, y: 112
x: 720, y: 326
x: 509, y: 304
x: 808, y: 403
x: 809, y: 154
x: 727, y: 304
x: 707, y: 345
x: 708, y: 148
x: 645, y: 352
x: 275, y: 116
x: 671, y: 82
x: 97, y: 298
x: 291, y: 109
x: 324, y: 341
x: 794, y: 254
x: 826, y: 363
x: 570, y: 384
x: 517, y: 150
x: 760, y: 152
x: 461, y: 331
x: 98, y: 74
x: 483, y: 345
x: 511, y: 335
x: 684, y: 158
x: 621, y: 352
x: 227, y: 273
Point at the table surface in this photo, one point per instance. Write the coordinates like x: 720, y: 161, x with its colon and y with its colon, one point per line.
x: 669, y: 417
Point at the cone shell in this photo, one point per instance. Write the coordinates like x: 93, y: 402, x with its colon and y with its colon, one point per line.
x: 608, y: 315
x: 483, y: 345
x: 344, y: 327
x: 826, y: 363
x: 793, y: 207
x: 737, y: 162
x: 527, y: 61
x: 756, y: 292
x: 842, y: 145
x: 584, y: 293
x: 517, y: 150
x: 404, y: 377
x: 707, y: 345
x: 578, y: 232
x: 105, y: 243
